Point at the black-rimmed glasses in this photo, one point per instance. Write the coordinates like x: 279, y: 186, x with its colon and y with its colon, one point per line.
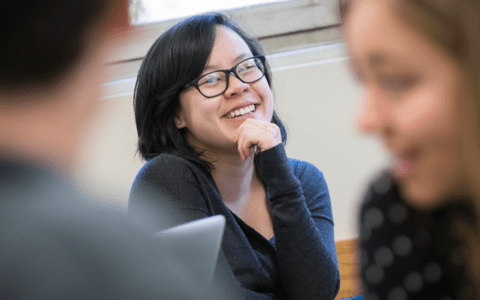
x: 216, y: 83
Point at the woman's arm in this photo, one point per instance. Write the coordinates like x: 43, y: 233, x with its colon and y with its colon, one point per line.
x: 303, y: 226
x: 168, y: 191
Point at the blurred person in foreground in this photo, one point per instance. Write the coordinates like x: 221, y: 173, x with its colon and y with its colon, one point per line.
x: 419, y: 63
x: 56, y: 242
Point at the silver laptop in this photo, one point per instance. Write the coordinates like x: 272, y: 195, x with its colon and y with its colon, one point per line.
x: 198, y: 243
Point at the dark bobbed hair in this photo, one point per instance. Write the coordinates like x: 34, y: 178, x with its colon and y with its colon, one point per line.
x: 176, y: 58
x: 42, y: 39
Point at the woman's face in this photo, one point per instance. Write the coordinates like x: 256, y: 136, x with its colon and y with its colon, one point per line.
x: 411, y: 101
x: 208, y: 120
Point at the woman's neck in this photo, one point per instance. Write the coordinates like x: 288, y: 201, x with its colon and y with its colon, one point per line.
x: 234, y: 179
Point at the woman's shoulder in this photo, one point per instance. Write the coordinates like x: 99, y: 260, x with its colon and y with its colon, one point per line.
x: 169, y: 160
x: 313, y: 183
x: 167, y: 165
x: 304, y: 169
x: 170, y: 183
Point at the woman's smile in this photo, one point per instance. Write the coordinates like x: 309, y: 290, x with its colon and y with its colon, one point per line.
x: 405, y: 163
x: 242, y: 112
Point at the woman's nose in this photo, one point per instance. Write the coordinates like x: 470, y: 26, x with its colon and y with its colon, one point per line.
x: 235, y: 86
x: 369, y: 115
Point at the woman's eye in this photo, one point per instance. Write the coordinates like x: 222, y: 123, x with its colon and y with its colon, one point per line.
x: 245, y: 68
x: 209, y: 80
x: 397, y: 83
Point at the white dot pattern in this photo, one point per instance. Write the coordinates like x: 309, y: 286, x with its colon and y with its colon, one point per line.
x: 374, y: 218
x: 402, y: 245
x: 413, y: 282
x: 399, y: 253
x: 397, y: 293
x: 374, y: 274
x: 397, y: 213
x: 384, y: 257
x: 433, y: 273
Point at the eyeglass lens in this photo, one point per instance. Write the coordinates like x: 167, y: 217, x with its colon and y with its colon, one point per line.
x: 215, y: 83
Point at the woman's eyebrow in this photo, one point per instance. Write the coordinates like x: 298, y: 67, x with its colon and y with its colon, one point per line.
x: 240, y: 57
x: 381, y: 60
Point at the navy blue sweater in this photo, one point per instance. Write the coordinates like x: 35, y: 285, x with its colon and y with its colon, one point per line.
x: 299, y: 262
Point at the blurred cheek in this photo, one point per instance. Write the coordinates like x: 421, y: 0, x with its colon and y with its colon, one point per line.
x: 422, y: 113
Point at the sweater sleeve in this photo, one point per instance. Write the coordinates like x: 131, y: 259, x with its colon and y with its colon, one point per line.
x: 303, y: 226
x: 167, y: 192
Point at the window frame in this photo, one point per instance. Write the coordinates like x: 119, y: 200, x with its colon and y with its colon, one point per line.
x: 265, y: 21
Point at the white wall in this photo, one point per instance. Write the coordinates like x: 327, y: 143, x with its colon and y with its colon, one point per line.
x: 315, y: 97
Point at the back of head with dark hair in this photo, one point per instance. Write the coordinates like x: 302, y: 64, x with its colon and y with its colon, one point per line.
x: 175, y: 59
x: 42, y: 39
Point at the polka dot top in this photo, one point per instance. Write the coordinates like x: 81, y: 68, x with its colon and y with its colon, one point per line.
x: 407, y: 254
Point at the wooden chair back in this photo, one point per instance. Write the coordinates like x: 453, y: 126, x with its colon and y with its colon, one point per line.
x: 348, y: 262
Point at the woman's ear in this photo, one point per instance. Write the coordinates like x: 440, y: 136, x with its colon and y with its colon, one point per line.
x: 178, y: 122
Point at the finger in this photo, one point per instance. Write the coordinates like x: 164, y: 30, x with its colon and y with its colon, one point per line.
x: 247, y: 146
x: 243, y: 145
x: 240, y: 146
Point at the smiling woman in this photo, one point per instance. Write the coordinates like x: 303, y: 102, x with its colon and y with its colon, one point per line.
x: 418, y: 63
x: 206, y: 124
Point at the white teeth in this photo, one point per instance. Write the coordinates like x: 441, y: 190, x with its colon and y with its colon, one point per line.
x: 242, y: 111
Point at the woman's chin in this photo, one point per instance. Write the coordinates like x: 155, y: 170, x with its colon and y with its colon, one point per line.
x: 420, y: 196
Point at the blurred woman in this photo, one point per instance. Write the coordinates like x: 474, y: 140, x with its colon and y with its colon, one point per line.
x: 418, y: 62
x: 207, y: 127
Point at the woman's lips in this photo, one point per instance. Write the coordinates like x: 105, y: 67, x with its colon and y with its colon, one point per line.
x: 405, y: 163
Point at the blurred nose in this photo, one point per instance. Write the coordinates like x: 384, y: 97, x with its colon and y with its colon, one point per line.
x: 235, y: 86
x: 369, y: 115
